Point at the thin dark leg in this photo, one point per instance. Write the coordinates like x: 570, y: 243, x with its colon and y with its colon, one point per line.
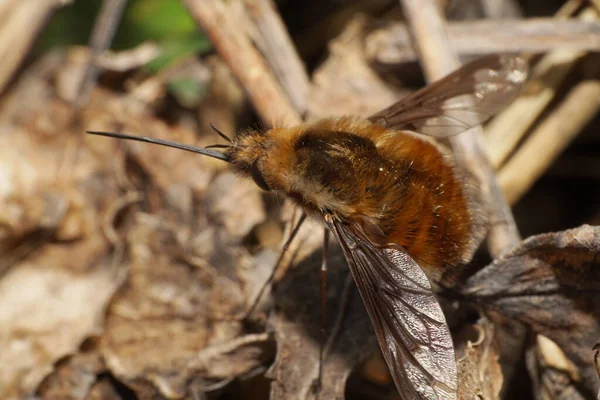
x: 326, y: 349
x: 284, y: 249
x: 596, y: 355
x: 323, y: 304
x: 345, y: 298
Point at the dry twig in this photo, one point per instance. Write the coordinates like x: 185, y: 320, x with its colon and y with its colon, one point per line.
x: 392, y: 45
x: 102, y: 36
x: 127, y: 60
x: 580, y: 106
x: 244, y: 60
x: 508, y: 128
x: 205, y: 355
x: 20, y: 23
x: 277, y: 47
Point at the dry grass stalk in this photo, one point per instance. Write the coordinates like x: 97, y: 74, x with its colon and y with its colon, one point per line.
x: 20, y: 24
x: 552, y: 136
x: 506, y: 130
x: 392, y: 45
x: 247, y: 65
x: 276, y: 45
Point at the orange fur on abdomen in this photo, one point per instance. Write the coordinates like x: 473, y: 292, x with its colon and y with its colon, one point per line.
x: 435, y: 225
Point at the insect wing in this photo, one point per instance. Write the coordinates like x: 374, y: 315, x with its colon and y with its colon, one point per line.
x: 460, y: 101
x: 407, y: 318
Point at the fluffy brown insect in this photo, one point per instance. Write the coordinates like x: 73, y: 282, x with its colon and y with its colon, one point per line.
x: 395, y: 202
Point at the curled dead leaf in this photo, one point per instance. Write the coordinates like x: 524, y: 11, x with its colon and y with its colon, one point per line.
x: 554, y: 375
x: 479, y: 372
x: 550, y: 282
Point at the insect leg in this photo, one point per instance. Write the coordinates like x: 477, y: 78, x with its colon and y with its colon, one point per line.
x: 284, y: 249
x: 596, y: 359
x: 345, y: 298
x: 325, y: 347
x: 323, y: 304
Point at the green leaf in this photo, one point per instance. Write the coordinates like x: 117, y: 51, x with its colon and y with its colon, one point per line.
x: 188, y: 92
x: 172, y: 50
x: 156, y: 20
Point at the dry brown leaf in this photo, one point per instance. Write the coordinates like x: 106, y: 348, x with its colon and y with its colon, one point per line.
x: 297, y: 325
x: 161, y: 326
x: 553, y: 375
x: 479, y: 372
x: 550, y: 282
x: 73, y: 378
x: 158, y: 207
x: 236, y: 204
x: 511, y: 337
x: 58, y: 272
x: 46, y: 313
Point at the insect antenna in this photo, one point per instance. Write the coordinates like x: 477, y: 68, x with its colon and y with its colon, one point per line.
x: 224, y: 136
x: 199, y: 150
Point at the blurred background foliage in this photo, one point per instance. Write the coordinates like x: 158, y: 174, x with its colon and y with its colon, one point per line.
x: 165, y: 22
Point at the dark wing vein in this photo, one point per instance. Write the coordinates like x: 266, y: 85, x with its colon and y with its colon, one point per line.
x: 462, y: 100
x: 408, y: 321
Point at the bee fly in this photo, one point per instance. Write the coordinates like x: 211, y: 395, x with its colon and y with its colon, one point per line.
x: 395, y: 202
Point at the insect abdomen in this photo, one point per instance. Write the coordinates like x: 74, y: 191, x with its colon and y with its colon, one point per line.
x: 430, y: 214
x: 405, y: 184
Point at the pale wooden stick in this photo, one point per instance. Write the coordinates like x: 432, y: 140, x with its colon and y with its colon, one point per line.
x: 548, y: 141
x: 20, y: 23
x: 234, y: 46
x: 428, y: 29
x: 392, y: 45
x: 126, y: 60
x: 276, y: 45
x: 507, y: 129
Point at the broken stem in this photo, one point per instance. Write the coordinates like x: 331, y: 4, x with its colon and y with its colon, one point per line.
x: 276, y: 45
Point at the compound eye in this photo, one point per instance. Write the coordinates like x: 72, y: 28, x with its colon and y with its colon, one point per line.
x: 258, y: 177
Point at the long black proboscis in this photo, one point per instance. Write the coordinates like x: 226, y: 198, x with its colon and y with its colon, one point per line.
x: 181, y: 146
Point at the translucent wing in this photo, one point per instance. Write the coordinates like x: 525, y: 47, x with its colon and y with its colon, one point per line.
x: 462, y: 100
x: 408, y: 321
